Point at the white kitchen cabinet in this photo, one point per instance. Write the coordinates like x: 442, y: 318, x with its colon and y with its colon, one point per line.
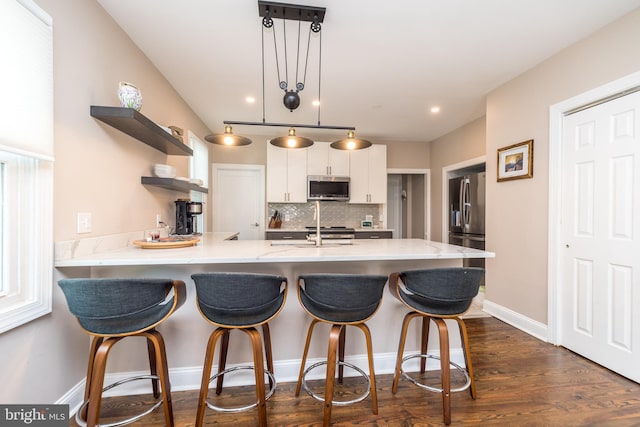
x: 368, y: 168
x: 324, y: 160
x: 286, y: 175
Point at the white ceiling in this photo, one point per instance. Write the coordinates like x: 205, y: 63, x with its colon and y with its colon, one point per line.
x: 384, y: 64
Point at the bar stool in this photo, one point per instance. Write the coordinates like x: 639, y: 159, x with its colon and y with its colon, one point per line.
x: 112, y: 309
x: 340, y: 300
x: 437, y: 294
x: 239, y: 301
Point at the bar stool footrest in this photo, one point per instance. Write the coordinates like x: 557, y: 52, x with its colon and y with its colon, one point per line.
x: 241, y: 408
x: 430, y: 388
x: 83, y: 423
x: 336, y: 402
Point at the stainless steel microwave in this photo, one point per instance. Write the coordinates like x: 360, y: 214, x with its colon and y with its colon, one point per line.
x: 321, y: 187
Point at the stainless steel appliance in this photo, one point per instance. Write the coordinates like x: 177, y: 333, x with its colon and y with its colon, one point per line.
x: 467, y: 213
x: 185, y: 212
x: 321, y: 187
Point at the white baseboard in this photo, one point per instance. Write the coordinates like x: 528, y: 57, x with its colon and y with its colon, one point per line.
x: 183, y: 379
x: 517, y: 320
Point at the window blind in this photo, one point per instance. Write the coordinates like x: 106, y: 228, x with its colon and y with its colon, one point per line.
x: 26, y: 79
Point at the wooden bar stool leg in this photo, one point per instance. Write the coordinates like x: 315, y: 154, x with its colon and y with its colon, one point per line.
x: 160, y: 352
x: 266, y: 335
x: 304, y: 355
x: 222, y: 360
x: 153, y: 369
x: 258, y: 367
x: 341, y: 344
x: 334, y: 338
x: 424, y: 342
x: 95, y: 344
x: 206, y: 374
x: 467, y: 355
x: 97, y: 381
x: 445, y: 369
x: 372, y: 375
x: 403, y: 339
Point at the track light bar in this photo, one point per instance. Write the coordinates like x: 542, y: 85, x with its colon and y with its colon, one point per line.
x: 288, y: 125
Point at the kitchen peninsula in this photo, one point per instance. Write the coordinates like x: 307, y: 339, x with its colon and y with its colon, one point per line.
x: 186, y: 333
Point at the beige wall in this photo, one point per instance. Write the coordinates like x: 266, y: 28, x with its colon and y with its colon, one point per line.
x: 465, y: 143
x: 97, y: 170
x: 517, y: 211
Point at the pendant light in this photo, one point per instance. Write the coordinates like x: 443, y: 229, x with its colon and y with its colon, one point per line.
x: 228, y: 138
x: 291, y: 140
x: 351, y: 143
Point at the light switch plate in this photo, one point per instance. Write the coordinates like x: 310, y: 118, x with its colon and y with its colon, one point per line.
x: 84, y: 222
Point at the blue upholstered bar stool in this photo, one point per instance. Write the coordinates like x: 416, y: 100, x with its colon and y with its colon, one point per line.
x: 340, y: 300
x: 437, y: 294
x: 240, y: 301
x: 112, y: 309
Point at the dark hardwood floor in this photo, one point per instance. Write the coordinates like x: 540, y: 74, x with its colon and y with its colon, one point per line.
x: 520, y: 380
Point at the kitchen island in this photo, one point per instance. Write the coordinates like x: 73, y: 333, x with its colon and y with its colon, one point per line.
x: 186, y: 333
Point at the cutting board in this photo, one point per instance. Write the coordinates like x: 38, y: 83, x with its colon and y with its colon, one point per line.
x: 167, y: 243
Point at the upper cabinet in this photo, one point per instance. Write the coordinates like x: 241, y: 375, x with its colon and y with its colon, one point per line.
x: 324, y: 160
x: 286, y: 175
x: 369, y: 175
x: 138, y: 126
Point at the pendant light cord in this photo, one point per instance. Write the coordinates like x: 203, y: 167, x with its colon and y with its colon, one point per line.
x: 263, y: 113
x: 319, y: 75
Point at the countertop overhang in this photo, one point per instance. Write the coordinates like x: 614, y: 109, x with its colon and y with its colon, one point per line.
x: 213, y: 250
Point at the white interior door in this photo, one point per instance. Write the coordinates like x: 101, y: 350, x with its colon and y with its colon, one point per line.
x: 600, y: 314
x: 238, y: 200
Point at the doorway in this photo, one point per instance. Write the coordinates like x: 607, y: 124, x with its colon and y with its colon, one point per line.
x: 238, y: 194
x: 594, y: 198
x: 408, y: 203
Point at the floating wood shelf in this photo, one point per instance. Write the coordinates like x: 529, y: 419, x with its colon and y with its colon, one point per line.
x: 172, y: 184
x: 138, y: 126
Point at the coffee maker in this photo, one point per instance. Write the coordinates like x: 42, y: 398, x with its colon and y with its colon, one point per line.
x: 185, y: 212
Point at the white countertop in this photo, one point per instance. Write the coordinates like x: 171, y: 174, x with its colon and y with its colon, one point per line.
x: 213, y: 249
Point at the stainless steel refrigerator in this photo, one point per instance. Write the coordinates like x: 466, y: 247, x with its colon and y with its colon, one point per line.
x: 466, y: 213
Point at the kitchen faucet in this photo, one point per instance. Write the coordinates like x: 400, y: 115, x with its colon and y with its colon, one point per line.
x: 316, y: 216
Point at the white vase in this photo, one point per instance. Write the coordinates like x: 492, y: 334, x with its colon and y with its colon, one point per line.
x: 129, y: 96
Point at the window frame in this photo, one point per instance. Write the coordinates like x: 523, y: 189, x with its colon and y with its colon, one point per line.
x: 27, y: 239
x: 26, y: 150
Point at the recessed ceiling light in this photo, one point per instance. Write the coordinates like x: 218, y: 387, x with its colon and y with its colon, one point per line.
x: 435, y: 109
x: 250, y: 99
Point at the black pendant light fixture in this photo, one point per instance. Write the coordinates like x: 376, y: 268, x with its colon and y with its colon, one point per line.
x: 228, y: 138
x: 269, y: 11
x: 351, y: 143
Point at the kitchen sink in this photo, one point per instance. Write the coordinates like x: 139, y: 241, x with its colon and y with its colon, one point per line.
x: 312, y: 244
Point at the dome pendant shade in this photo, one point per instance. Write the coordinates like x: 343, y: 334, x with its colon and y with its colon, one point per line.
x: 351, y: 143
x: 228, y: 138
x: 291, y: 141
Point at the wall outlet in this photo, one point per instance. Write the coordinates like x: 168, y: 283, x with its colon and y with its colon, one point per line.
x: 83, y: 222
x: 158, y: 220
x: 287, y: 217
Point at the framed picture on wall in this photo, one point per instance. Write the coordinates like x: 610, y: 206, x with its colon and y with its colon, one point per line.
x: 516, y: 161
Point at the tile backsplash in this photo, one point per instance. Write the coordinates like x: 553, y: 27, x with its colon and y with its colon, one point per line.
x: 300, y: 215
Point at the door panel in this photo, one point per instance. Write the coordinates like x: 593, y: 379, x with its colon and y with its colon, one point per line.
x: 600, y: 228
x: 238, y: 200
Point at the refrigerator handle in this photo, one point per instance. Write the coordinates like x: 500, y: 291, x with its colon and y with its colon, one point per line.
x: 465, y: 204
x: 461, y: 205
